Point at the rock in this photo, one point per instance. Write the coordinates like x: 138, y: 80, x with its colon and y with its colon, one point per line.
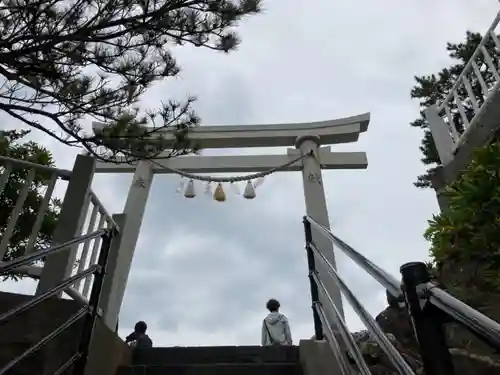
x: 465, y: 362
x: 396, y: 322
x: 470, y: 363
x: 466, y: 281
x: 378, y: 362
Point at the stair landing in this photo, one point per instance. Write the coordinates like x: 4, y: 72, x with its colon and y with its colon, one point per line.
x: 221, y: 360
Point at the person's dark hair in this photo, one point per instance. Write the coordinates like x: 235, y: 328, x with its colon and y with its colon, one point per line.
x: 273, y: 305
x: 141, y: 327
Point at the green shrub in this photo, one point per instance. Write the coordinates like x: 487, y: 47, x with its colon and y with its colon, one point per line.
x: 470, y: 229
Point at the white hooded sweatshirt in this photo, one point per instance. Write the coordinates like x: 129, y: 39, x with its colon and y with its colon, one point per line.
x: 276, y: 325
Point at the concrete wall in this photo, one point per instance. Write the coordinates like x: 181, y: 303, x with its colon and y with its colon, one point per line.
x: 317, y: 358
x: 107, y: 350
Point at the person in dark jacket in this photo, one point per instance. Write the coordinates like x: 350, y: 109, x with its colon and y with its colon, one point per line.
x: 139, y: 338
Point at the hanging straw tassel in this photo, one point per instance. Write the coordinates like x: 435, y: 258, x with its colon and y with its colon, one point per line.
x: 249, y: 192
x: 235, y: 188
x: 190, y: 193
x: 180, y: 188
x: 259, y: 182
x: 208, y: 189
x: 219, y: 194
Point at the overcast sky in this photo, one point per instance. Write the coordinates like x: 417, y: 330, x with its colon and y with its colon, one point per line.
x: 203, y: 270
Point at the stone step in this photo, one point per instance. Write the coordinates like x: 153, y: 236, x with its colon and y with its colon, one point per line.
x: 216, y: 354
x: 214, y: 369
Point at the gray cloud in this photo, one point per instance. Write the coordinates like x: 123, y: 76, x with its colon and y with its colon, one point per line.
x: 203, y: 270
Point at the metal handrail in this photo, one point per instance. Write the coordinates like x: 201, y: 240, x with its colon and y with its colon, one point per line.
x: 38, y: 255
x: 385, y: 344
x: 485, y: 328
x: 89, y: 311
x: 429, y: 307
x: 346, y: 336
x: 385, y: 279
x: 51, y: 292
x: 94, y: 299
x: 311, y: 263
x: 52, y: 335
x: 67, y: 364
x: 332, y: 341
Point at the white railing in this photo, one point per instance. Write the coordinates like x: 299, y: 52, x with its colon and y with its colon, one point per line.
x: 96, y: 217
x: 463, y: 104
x: 24, y: 177
x: 30, y: 181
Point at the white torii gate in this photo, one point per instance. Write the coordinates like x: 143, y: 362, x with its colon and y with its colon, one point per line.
x: 306, y: 137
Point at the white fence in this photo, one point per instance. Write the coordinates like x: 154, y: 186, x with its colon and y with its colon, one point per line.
x: 28, y: 191
x: 452, y: 121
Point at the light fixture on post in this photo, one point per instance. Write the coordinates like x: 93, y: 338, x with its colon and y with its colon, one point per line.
x: 219, y: 194
x: 189, y: 192
x: 249, y: 192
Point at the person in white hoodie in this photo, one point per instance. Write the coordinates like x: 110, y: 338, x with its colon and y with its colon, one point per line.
x: 275, y: 327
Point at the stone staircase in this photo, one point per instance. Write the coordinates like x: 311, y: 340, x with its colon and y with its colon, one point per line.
x: 219, y: 360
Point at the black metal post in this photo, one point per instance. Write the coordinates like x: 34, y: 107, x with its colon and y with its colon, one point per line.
x: 95, y: 294
x: 428, y: 322
x: 318, y: 326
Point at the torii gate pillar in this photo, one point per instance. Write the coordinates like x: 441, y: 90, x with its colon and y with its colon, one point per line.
x: 135, y: 207
x: 316, y: 207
